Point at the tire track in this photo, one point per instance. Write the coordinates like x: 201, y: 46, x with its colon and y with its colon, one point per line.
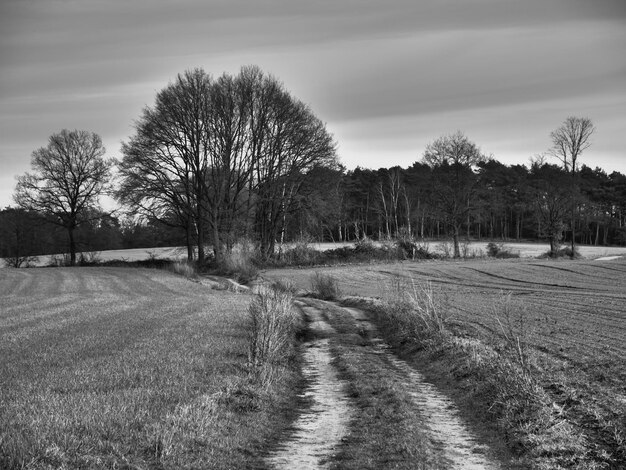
x: 319, y: 431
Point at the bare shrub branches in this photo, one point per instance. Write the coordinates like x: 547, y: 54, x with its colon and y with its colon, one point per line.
x: 325, y: 286
x: 415, y: 307
x: 271, y: 327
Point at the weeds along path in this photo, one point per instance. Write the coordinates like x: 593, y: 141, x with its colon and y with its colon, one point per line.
x: 319, y: 430
x: 370, y: 409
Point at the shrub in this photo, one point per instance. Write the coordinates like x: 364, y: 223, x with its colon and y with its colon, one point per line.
x: 272, y: 325
x: 285, y: 285
x: 184, y: 268
x: 498, y: 250
x: 562, y: 252
x: 301, y: 255
x: 239, y: 263
x: 19, y: 261
x: 414, y: 307
x: 411, y: 249
x: 325, y: 287
x: 89, y: 258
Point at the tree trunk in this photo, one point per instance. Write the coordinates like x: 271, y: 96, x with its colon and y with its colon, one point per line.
x: 553, y: 245
x: 189, y: 242
x: 70, y: 233
x: 455, y: 239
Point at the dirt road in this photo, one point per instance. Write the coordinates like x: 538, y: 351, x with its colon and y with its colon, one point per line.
x: 324, y: 429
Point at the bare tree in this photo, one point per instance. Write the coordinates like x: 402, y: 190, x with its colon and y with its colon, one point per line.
x: 453, y: 159
x: 289, y: 142
x: 220, y: 153
x: 69, y: 176
x: 165, y: 165
x: 569, y: 141
x: 551, y: 198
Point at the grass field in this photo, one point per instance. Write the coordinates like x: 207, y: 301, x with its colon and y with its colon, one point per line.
x: 569, y: 316
x: 129, y: 368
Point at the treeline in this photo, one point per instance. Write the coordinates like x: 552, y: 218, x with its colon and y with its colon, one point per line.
x: 508, y: 203
x: 218, y: 160
x: 25, y: 235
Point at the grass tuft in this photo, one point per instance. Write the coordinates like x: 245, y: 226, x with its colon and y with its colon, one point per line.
x: 325, y: 286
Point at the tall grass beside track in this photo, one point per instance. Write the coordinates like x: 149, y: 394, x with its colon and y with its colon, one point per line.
x: 498, y: 381
x: 131, y: 368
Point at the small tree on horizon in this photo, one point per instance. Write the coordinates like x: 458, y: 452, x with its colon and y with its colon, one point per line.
x: 69, y: 175
x: 453, y: 159
x: 569, y: 141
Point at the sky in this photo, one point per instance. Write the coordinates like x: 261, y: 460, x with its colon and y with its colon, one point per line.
x: 387, y: 77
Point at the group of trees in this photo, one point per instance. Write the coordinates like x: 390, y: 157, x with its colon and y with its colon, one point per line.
x: 493, y: 201
x: 217, y: 160
x: 223, y: 158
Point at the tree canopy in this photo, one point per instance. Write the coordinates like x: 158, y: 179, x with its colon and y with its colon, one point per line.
x: 69, y: 175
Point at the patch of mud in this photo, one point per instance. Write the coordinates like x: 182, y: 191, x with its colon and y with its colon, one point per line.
x: 320, y: 428
x: 448, y: 431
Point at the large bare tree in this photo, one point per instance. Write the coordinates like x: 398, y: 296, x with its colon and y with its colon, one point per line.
x: 228, y: 155
x: 69, y: 176
x: 569, y: 141
x: 453, y: 159
x: 165, y: 163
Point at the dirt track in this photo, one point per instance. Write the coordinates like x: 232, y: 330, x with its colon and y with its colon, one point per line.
x: 320, y: 430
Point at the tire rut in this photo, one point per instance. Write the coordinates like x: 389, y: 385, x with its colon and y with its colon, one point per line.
x: 319, y: 431
x: 458, y: 444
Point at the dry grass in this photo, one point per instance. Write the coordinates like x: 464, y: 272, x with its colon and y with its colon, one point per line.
x: 414, y: 307
x: 130, y: 368
x: 325, y: 286
x: 272, y: 327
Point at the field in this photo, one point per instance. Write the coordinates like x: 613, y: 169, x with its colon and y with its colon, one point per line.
x: 569, y: 316
x: 128, y: 368
x: 106, y: 367
x: 475, y: 248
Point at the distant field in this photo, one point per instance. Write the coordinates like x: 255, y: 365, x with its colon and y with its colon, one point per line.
x: 124, y: 368
x: 525, y: 250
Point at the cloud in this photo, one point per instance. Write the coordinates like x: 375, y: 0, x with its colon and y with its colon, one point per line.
x: 387, y: 77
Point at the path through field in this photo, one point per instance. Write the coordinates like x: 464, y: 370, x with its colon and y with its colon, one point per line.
x: 570, y: 314
x: 320, y: 430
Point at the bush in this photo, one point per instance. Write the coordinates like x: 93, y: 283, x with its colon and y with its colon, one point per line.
x: 414, y: 308
x: 272, y: 325
x: 498, y: 250
x: 563, y: 252
x: 19, y: 261
x: 89, y: 258
x: 325, y: 287
x: 240, y: 263
x: 184, y: 268
x: 301, y: 255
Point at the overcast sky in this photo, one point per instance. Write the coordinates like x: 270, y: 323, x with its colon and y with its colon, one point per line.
x: 387, y: 77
